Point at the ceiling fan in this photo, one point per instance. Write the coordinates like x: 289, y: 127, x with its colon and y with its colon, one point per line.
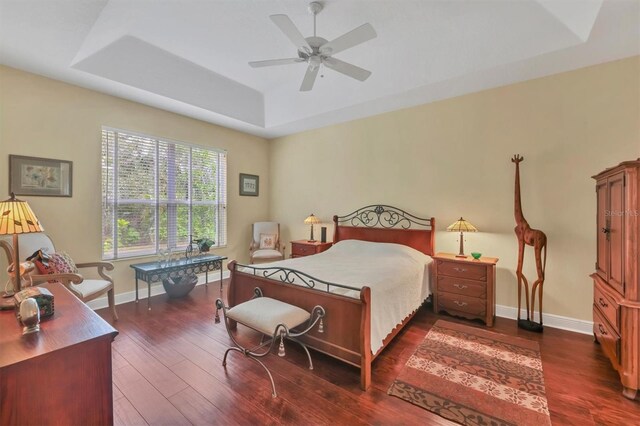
x: 317, y: 51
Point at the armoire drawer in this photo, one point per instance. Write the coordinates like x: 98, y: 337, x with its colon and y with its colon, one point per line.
x: 608, y: 307
x: 608, y: 338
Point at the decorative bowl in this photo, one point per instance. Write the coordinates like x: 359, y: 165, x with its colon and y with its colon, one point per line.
x: 181, y: 287
x: 476, y: 255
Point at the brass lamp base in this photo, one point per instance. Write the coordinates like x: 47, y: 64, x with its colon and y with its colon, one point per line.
x: 461, y: 254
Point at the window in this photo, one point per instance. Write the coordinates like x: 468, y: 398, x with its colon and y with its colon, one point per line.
x: 157, y: 193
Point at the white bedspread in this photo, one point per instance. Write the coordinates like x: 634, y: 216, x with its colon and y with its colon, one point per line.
x: 397, y: 275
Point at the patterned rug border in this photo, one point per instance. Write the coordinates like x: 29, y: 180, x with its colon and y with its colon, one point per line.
x: 442, y: 389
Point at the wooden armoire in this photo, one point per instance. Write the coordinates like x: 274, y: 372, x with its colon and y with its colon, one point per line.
x: 616, y: 303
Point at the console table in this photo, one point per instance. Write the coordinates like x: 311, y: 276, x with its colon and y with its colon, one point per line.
x: 152, y: 272
x: 61, y: 374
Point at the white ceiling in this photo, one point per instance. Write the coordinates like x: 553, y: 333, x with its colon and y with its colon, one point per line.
x: 190, y: 56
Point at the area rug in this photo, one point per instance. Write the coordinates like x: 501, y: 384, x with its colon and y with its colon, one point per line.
x: 475, y: 377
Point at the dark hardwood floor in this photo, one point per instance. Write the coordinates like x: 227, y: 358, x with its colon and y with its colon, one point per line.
x: 167, y: 371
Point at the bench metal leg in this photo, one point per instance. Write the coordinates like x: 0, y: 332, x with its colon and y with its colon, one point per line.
x: 306, y: 350
x: 248, y: 355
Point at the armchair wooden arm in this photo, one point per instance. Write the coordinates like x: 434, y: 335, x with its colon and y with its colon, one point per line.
x: 101, y: 268
x: 106, y: 265
x: 65, y: 279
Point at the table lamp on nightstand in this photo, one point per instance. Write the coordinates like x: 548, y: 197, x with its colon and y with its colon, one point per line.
x: 16, y: 217
x: 311, y: 220
x: 461, y: 226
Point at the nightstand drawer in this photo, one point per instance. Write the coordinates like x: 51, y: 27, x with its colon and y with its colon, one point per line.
x: 460, y: 303
x: 462, y: 270
x: 462, y: 286
x: 302, y: 249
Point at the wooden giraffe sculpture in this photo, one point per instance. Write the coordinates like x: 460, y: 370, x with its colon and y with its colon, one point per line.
x: 532, y: 237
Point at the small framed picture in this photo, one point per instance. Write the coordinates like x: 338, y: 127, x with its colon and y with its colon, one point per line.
x: 249, y: 185
x: 40, y: 176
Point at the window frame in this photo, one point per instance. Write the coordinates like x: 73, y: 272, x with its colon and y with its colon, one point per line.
x: 220, y: 204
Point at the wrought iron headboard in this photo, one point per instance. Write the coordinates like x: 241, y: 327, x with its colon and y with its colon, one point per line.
x: 384, y: 223
x: 380, y: 215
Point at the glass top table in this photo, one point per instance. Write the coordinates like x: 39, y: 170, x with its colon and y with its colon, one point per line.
x: 156, y: 271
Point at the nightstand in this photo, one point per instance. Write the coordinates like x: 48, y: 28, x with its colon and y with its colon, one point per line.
x: 465, y: 287
x: 302, y: 248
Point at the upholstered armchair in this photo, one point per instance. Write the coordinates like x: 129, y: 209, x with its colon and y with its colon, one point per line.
x: 265, y: 245
x: 84, y: 289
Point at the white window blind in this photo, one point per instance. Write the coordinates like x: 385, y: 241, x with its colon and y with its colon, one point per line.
x: 157, y: 193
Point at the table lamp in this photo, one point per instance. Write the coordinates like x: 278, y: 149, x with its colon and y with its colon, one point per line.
x: 461, y: 226
x: 311, y: 220
x: 16, y: 217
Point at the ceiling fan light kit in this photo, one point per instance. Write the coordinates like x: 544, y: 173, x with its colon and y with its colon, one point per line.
x: 317, y: 51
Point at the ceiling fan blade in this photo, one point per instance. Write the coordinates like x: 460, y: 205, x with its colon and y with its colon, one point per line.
x: 309, y: 78
x: 361, y: 34
x: 347, y: 69
x: 291, y: 31
x: 271, y: 62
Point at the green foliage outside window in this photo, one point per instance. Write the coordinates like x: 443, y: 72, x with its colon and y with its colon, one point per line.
x: 156, y: 194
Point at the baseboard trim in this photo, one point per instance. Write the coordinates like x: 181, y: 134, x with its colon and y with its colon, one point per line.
x: 156, y: 288
x: 550, y: 320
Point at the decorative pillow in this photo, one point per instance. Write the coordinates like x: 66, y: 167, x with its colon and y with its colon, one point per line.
x: 40, y: 258
x: 62, y: 263
x: 267, y: 241
x: 42, y: 268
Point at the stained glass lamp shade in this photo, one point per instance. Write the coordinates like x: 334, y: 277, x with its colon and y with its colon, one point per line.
x: 461, y: 226
x: 16, y: 217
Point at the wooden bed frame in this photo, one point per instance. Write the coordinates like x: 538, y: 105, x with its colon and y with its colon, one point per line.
x: 347, y: 324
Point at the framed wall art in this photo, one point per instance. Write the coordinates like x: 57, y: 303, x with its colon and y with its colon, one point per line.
x: 40, y: 176
x: 249, y: 184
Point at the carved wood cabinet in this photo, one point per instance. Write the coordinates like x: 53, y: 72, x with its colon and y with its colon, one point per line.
x: 616, y: 304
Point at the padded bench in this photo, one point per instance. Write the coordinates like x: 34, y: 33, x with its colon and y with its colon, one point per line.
x: 272, y: 318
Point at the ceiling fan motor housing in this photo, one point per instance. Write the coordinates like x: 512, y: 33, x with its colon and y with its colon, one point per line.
x: 315, y: 7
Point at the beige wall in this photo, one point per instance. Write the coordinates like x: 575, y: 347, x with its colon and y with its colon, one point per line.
x: 444, y: 159
x: 46, y: 118
x: 452, y: 158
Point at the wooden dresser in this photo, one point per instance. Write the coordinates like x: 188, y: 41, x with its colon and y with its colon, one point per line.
x: 465, y: 287
x: 60, y: 375
x: 302, y: 248
x: 616, y: 304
